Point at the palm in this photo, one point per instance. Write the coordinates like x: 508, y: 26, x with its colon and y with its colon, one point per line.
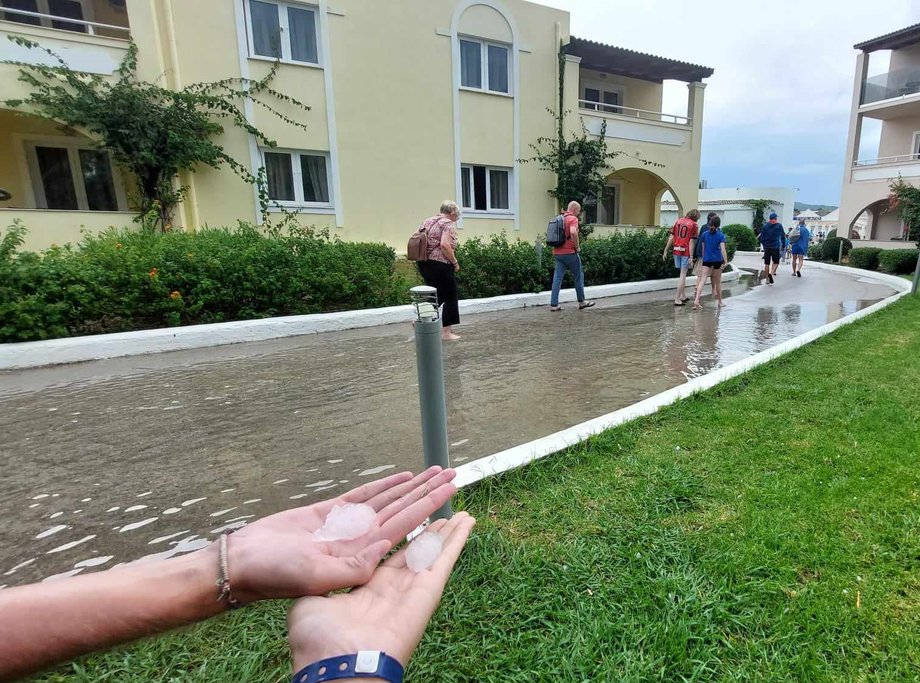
x: 389, y: 613
x: 278, y: 556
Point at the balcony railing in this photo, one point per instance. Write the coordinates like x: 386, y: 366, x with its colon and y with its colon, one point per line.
x: 897, y: 83
x: 632, y: 112
x: 92, y: 28
x: 900, y: 159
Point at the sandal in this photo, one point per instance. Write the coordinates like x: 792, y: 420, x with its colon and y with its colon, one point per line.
x: 680, y: 303
x: 585, y: 304
x: 555, y: 309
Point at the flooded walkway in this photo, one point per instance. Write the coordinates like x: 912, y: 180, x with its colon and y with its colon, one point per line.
x: 110, y: 461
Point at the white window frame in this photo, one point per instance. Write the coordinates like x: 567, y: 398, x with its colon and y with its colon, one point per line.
x: 299, y: 201
x: 484, y: 66
x: 469, y: 210
x: 602, y: 87
x: 86, y: 6
x: 286, y: 52
x: 73, y: 148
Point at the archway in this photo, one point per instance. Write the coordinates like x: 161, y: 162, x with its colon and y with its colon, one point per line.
x: 874, y: 222
x: 631, y: 197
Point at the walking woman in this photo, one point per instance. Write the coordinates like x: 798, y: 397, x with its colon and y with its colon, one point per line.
x: 715, y: 258
x: 440, y: 270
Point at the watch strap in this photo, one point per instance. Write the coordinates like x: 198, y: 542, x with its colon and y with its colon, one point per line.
x: 364, y: 664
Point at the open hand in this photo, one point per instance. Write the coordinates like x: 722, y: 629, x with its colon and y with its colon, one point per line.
x: 277, y: 557
x: 388, y: 613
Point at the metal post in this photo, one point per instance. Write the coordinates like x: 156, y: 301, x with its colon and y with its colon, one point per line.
x: 431, y: 382
x: 840, y: 253
x: 538, y: 248
x: 913, y: 289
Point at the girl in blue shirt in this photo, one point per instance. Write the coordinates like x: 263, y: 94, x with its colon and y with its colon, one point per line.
x: 715, y: 259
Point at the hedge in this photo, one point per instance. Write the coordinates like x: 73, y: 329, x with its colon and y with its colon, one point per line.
x: 830, y: 248
x: 744, y: 237
x: 815, y: 252
x: 128, y: 280
x: 865, y: 257
x: 897, y: 261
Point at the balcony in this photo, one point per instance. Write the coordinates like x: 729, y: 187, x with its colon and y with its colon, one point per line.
x: 88, y: 45
x: 891, y: 95
x: 640, y: 125
x: 885, y: 168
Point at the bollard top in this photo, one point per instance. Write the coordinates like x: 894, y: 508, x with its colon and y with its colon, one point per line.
x: 425, y: 300
x: 423, y: 290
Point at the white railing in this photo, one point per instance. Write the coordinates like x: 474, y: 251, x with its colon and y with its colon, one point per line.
x: 900, y: 159
x: 89, y: 26
x: 632, y: 112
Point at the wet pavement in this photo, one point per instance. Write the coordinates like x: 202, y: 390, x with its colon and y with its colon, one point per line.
x: 110, y: 461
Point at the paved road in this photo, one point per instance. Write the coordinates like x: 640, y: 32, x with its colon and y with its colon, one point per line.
x: 110, y: 461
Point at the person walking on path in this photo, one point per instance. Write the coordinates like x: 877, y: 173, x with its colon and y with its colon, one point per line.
x: 441, y: 268
x: 567, y: 258
x: 773, y: 239
x: 683, y: 239
x: 715, y: 257
x: 800, y: 237
x: 698, y: 250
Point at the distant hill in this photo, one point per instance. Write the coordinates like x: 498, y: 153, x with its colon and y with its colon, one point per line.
x: 819, y: 208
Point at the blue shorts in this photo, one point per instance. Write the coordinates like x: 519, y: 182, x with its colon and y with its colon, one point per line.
x: 681, y: 262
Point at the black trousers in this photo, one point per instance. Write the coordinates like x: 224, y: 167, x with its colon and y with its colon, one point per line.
x: 441, y: 276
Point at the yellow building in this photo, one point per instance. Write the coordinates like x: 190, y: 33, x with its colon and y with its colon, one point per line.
x: 411, y: 102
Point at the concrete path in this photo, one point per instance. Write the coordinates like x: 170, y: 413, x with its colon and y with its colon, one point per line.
x: 110, y: 461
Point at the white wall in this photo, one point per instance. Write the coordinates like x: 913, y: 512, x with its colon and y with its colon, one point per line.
x: 725, y: 202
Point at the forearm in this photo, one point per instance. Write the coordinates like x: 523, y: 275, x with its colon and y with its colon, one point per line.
x: 449, y: 254
x: 52, y: 622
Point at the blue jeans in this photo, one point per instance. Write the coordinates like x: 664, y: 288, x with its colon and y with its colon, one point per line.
x: 571, y: 262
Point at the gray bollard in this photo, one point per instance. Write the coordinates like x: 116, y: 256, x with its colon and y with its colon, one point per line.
x: 840, y: 253
x: 538, y: 248
x: 431, y: 394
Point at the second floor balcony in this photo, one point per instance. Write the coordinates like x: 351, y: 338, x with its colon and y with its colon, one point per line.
x: 886, y: 168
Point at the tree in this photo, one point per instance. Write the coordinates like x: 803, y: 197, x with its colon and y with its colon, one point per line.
x: 904, y: 201
x: 759, y: 206
x: 153, y: 132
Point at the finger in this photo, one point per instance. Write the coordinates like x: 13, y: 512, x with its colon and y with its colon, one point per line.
x: 454, y: 536
x: 420, y: 482
x: 416, y: 494
x: 355, y: 570
x: 397, y: 527
x: 366, y: 492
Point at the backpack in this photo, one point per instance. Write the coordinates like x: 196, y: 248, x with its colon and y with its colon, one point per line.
x: 795, y: 235
x: 418, y: 245
x: 555, y: 232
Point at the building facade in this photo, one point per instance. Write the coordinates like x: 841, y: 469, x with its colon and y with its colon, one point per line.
x: 728, y: 204
x: 411, y: 102
x: 894, y: 98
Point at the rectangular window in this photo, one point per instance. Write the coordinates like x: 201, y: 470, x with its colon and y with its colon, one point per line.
x: 603, y: 100
x: 297, y: 178
x: 283, y: 31
x: 65, y: 9
x: 73, y: 178
x: 485, y: 66
x: 484, y: 188
x: 470, y: 64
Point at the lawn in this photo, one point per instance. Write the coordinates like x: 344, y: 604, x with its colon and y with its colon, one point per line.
x: 766, y: 530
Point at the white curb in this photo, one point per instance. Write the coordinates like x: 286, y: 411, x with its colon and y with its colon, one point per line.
x: 22, y: 355
x: 516, y: 456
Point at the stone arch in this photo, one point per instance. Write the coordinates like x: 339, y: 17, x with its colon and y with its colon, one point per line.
x: 640, y: 192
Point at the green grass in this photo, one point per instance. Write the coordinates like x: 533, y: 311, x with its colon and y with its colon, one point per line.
x: 767, y: 530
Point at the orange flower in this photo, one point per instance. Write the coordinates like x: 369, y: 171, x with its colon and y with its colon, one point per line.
x: 119, y: 245
x: 175, y: 295
x: 153, y: 272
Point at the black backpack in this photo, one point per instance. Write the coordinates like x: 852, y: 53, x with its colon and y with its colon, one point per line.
x: 555, y: 232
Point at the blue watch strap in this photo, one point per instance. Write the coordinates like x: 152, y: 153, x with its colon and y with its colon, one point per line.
x: 365, y: 664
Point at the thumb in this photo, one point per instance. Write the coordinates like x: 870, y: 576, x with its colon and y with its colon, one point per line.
x: 358, y: 569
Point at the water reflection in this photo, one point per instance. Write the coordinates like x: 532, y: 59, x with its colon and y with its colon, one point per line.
x: 289, y: 422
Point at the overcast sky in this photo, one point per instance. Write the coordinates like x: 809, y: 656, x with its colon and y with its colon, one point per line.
x: 777, y: 107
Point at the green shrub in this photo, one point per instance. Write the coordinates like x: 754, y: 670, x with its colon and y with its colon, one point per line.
x: 865, y: 257
x: 127, y: 280
x: 744, y: 237
x: 498, y: 266
x: 897, y: 261
x: 814, y: 252
x: 831, y: 235
x: 830, y: 248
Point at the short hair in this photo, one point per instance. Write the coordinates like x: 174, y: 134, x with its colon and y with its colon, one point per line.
x: 715, y: 221
x: 693, y: 214
x: 571, y: 204
x: 710, y: 215
x: 449, y: 207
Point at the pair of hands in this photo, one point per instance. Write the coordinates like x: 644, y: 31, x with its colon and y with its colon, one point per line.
x: 277, y: 557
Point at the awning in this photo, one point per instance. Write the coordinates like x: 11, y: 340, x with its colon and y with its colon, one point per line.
x: 895, y: 40
x: 619, y: 60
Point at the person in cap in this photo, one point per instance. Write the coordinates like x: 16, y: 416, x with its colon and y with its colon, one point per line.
x: 773, y: 239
